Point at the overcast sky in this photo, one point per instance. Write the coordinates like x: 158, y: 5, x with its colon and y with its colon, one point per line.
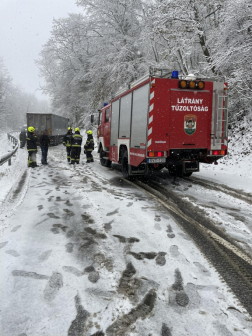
x: 25, y: 26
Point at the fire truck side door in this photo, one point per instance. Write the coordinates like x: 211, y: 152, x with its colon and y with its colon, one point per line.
x: 106, y: 131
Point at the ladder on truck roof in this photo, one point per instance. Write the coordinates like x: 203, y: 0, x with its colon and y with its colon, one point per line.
x: 220, y: 116
x: 160, y: 73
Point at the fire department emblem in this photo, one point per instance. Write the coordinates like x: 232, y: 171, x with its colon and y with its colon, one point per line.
x: 190, y: 121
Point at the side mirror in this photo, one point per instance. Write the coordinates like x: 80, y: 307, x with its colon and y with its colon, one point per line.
x: 92, y: 119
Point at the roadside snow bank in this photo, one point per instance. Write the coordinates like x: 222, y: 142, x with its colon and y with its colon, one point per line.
x: 9, y: 177
x: 235, y: 170
x: 6, y: 145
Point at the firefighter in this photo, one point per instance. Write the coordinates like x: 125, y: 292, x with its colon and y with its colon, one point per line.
x: 31, y: 147
x: 67, y: 142
x: 44, y: 144
x: 89, y: 147
x: 76, y: 141
x: 22, y: 138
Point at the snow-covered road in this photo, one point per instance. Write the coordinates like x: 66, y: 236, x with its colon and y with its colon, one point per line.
x: 86, y: 252
x: 228, y: 208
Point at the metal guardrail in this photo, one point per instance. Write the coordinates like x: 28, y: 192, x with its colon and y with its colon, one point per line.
x: 7, y: 157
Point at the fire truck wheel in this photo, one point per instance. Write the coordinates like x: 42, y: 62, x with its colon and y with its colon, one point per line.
x: 104, y: 163
x: 187, y: 174
x: 108, y: 164
x: 172, y: 171
x: 125, y: 165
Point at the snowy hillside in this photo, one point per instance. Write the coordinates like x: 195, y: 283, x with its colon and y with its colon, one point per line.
x: 235, y: 169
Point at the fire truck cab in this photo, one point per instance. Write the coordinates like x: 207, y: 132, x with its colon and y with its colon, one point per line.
x: 164, y: 120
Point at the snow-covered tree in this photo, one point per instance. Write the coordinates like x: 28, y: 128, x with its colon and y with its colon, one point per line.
x: 232, y: 54
x: 64, y: 65
x: 90, y: 56
x: 15, y: 103
x: 182, y: 30
x: 5, y: 84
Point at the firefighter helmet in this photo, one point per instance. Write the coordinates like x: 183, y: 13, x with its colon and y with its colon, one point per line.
x: 31, y: 129
x: 89, y: 132
x: 69, y: 129
x: 77, y: 129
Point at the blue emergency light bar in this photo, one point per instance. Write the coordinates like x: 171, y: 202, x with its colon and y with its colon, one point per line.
x: 174, y: 74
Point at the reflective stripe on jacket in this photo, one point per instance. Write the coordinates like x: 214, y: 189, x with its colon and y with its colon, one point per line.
x: 67, y: 139
x: 76, y: 140
x: 89, y: 145
x: 31, y: 142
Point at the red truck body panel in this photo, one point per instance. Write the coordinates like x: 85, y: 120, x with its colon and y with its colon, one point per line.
x: 180, y: 118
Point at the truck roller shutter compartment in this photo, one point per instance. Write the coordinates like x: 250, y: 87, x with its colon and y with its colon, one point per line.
x: 140, y: 111
x: 114, y: 123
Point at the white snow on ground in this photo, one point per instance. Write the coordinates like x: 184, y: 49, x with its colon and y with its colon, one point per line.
x: 233, y: 216
x: 68, y: 221
x: 9, y: 178
x: 6, y: 144
x: 235, y: 169
x: 237, y: 175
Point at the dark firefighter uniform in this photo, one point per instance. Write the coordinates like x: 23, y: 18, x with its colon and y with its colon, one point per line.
x: 76, y: 142
x: 67, y: 142
x: 89, y: 147
x: 44, y: 144
x: 22, y: 138
x: 31, y: 147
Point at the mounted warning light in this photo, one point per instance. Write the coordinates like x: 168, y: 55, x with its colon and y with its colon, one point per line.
x: 201, y: 85
x: 175, y: 74
x: 192, y: 85
x: 182, y: 84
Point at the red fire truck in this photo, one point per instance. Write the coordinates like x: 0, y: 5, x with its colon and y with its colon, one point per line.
x: 164, y: 121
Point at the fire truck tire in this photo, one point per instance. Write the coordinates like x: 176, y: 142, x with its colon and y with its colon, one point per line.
x: 171, y: 171
x: 108, y: 164
x: 104, y: 163
x: 125, y: 165
x: 175, y: 172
